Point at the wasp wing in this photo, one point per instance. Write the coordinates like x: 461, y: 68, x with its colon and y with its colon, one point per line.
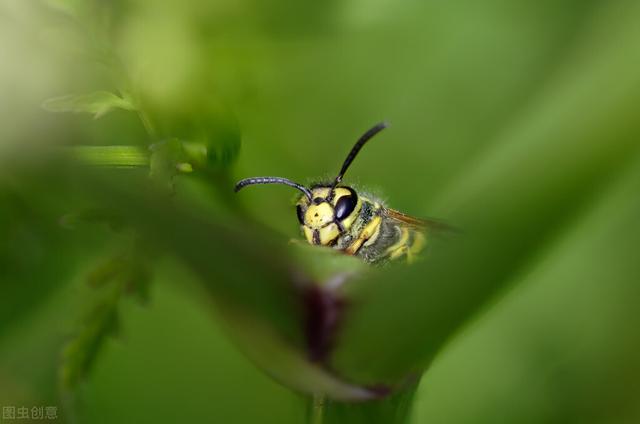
x: 418, y: 223
x: 406, y: 219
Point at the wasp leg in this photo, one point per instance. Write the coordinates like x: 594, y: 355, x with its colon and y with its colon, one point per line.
x: 369, y: 232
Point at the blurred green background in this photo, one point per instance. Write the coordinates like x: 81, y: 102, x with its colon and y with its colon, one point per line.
x: 516, y: 121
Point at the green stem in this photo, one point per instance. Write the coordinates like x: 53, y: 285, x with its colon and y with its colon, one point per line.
x: 316, y: 412
x: 110, y: 156
x: 146, y: 122
x: 392, y: 409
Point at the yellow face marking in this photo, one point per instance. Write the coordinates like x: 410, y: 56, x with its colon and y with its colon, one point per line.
x: 328, y: 234
x: 338, y: 193
x: 365, y: 235
x: 321, y: 192
x: 317, y: 216
x: 308, y: 234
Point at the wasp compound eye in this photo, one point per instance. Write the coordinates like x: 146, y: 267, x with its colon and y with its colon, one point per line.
x: 300, y: 214
x: 346, y: 205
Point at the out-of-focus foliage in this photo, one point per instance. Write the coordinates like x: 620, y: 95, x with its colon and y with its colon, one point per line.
x: 561, y: 347
x: 514, y: 121
x: 98, y: 103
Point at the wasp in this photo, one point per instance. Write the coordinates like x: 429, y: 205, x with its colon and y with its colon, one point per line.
x: 336, y: 215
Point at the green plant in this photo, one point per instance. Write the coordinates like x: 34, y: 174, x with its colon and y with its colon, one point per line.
x: 144, y: 193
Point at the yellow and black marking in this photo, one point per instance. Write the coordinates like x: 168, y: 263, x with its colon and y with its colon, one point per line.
x: 336, y: 216
x: 357, y: 225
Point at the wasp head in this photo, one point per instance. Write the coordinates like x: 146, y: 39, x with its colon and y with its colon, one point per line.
x: 327, y: 214
x: 328, y: 210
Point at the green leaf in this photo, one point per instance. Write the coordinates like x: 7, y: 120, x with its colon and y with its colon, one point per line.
x: 97, y: 103
x: 167, y: 160
x: 81, y: 353
x: 205, y: 240
x: 122, y: 274
x: 393, y: 409
x: 133, y: 271
x: 105, y: 272
x: 510, y: 205
x: 28, y: 225
x: 548, y: 337
x: 286, y: 363
x: 247, y: 273
x: 208, y: 133
x: 109, y: 156
x: 173, y: 157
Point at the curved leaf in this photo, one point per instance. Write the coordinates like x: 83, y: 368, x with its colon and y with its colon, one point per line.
x: 98, y: 103
x: 542, y: 174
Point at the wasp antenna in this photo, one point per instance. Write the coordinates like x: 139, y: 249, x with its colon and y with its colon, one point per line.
x: 356, y: 149
x: 272, y: 180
